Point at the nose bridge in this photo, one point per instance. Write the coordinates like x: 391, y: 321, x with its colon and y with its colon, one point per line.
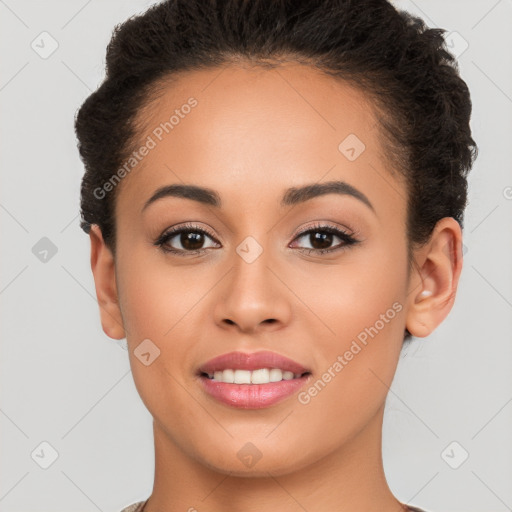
x: 251, y: 267
x: 250, y: 279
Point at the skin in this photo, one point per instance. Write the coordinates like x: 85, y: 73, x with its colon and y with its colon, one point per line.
x: 254, y: 133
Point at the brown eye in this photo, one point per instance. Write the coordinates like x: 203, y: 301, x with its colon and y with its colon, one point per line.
x: 185, y: 239
x: 321, y: 238
x: 191, y: 240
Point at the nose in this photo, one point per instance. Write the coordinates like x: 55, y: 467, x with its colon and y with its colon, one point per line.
x: 252, y: 297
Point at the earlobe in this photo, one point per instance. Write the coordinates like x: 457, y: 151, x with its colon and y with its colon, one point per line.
x: 434, y: 285
x: 103, y: 269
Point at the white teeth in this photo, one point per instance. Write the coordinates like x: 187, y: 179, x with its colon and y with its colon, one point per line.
x: 242, y: 377
x: 260, y: 376
x: 275, y: 375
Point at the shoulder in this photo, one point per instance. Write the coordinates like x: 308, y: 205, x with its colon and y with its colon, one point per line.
x: 135, y: 507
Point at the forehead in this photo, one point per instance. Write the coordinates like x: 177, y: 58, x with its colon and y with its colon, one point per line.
x: 258, y: 130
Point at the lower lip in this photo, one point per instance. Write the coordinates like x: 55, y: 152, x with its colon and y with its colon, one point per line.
x: 252, y: 396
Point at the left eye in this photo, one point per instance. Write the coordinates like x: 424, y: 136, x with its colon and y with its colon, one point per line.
x: 321, y: 237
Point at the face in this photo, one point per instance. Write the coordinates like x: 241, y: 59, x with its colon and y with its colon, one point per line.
x: 318, y: 277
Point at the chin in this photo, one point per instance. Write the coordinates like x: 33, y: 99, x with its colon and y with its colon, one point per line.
x: 249, y: 461
x: 259, y: 470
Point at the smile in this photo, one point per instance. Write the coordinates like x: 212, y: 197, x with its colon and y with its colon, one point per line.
x: 252, y: 380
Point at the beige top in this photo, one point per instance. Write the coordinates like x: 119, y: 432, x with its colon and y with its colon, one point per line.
x: 137, y: 507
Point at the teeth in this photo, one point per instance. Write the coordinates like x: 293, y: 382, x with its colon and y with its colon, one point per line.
x: 260, y: 376
x: 242, y: 377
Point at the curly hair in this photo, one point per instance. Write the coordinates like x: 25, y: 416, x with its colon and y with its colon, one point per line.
x: 423, y: 105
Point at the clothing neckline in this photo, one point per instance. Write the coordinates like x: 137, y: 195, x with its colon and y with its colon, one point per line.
x: 141, y: 505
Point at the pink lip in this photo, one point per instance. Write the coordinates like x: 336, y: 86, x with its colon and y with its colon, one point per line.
x: 251, y: 361
x: 252, y: 396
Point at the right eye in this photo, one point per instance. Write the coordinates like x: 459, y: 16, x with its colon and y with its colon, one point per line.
x: 190, y: 237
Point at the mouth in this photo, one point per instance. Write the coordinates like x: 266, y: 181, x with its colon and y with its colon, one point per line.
x: 252, y: 380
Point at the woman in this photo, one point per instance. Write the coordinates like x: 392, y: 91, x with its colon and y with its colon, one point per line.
x: 274, y: 194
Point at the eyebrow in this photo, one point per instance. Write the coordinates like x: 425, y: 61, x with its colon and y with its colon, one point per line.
x: 292, y: 197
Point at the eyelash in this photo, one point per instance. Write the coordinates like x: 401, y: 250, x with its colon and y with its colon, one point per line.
x: 347, y: 239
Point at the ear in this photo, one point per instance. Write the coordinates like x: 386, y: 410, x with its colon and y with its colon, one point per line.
x: 103, y: 269
x: 434, y: 284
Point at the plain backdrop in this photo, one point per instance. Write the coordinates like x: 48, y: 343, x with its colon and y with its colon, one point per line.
x: 68, y: 401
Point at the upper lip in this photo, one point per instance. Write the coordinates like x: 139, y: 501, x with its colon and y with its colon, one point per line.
x: 251, y: 361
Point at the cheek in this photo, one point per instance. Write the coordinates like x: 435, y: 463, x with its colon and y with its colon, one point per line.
x: 361, y: 305
x: 357, y: 292
x: 156, y: 310
x: 155, y: 297
x: 161, y: 304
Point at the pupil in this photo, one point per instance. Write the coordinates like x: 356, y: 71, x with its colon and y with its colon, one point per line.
x: 326, y: 238
x: 192, y: 241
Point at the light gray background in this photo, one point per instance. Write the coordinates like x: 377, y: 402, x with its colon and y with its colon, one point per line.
x: 64, y: 382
